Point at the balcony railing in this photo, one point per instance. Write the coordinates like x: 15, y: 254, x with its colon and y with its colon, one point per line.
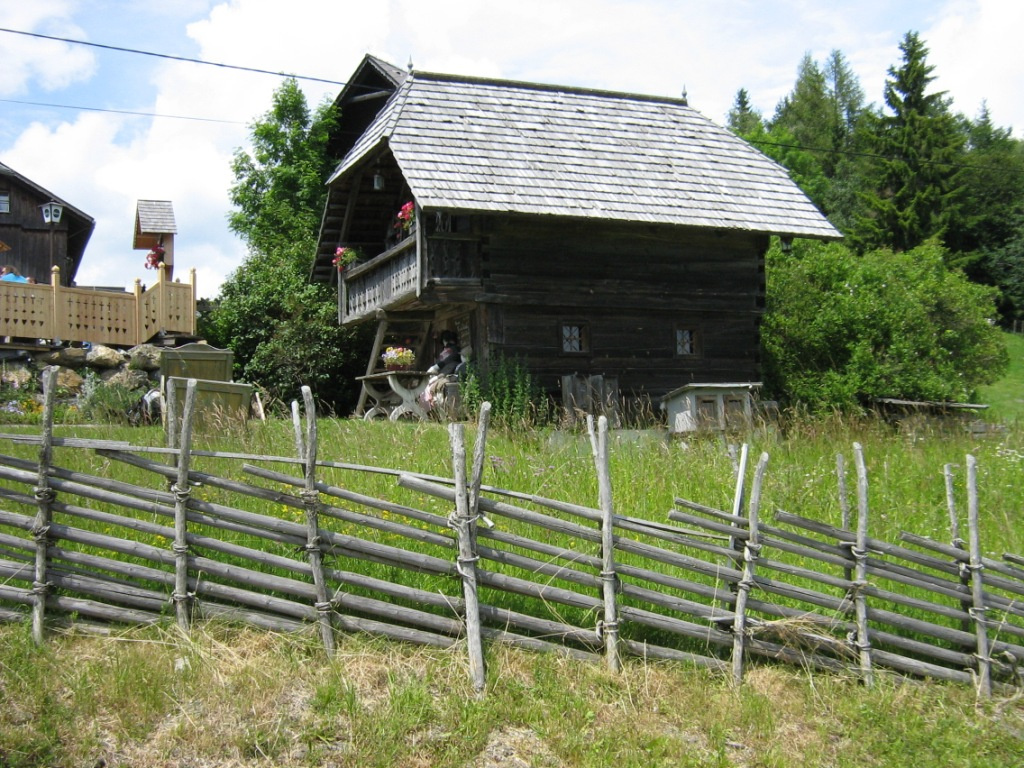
x: 381, y: 282
x: 400, y: 273
x: 98, y: 316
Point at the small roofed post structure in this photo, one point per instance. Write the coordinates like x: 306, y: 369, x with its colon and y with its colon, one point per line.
x: 154, y: 232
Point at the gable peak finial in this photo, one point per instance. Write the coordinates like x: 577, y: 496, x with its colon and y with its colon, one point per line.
x: 686, y: 101
x: 409, y: 65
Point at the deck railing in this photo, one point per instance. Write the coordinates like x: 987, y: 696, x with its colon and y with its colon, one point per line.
x: 379, y: 283
x: 402, y: 272
x: 116, y: 318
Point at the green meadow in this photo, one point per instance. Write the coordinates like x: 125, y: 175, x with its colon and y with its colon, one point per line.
x: 235, y: 696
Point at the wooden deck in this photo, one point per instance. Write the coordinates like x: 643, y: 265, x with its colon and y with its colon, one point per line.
x: 114, y: 318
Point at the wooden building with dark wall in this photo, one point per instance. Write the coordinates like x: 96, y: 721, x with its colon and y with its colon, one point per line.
x: 585, y: 233
x: 28, y: 242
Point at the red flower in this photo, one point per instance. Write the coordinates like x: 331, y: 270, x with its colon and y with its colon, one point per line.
x: 155, y: 257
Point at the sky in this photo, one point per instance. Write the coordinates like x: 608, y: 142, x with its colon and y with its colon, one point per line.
x: 102, y: 159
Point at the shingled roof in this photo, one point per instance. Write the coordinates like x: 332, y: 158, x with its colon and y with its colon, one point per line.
x: 489, y: 145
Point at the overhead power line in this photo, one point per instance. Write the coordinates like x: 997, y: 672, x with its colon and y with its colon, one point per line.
x: 168, y: 56
x: 121, y: 111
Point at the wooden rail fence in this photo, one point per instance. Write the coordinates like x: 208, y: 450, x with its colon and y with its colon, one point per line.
x: 709, y: 587
x: 115, y: 318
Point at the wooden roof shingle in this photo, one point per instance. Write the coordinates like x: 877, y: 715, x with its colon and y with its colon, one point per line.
x: 508, y: 147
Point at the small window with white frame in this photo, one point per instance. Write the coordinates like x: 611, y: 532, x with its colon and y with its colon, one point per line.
x: 5, y: 202
x: 575, y: 338
x: 687, y: 341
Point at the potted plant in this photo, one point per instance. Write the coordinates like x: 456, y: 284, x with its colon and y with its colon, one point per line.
x: 155, y: 257
x: 398, y: 358
x: 405, y: 217
x: 345, y: 256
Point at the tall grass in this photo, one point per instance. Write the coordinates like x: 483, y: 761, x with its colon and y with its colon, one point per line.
x: 242, y: 697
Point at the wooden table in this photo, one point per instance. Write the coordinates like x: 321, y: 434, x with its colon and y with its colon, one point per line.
x: 395, y: 394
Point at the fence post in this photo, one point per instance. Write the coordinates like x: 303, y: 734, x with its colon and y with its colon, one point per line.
x: 609, y: 627
x: 300, y: 446
x: 859, y: 551
x: 44, y: 498
x: 975, y: 565
x: 844, y: 504
x: 181, y: 490
x: 311, y: 500
x: 751, y: 552
x: 465, y: 563
x: 957, y: 542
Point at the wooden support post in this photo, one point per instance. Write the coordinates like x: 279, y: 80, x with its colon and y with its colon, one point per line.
x: 860, y: 556
x: 138, y: 334
x: 371, y: 366
x: 161, y: 296
x: 44, y: 499
x: 465, y: 563
x: 609, y: 627
x: 181, y: 489
x: 978, y: 610
x: 60, y: 324
x: 192, y: 306
x: 311, y: 500
x: 751, y: 552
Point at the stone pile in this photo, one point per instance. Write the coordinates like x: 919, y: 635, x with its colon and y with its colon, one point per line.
x: 136, y: 368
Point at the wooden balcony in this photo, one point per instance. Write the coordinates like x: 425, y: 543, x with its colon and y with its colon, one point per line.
x: 383, y: 282
x: 114, y: 318
x: 399, y: 275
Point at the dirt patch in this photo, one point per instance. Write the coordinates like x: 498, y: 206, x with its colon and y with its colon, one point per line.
x: 516, y: 748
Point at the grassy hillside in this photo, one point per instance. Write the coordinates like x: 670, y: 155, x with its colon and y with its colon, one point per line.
x: 244, y: 698
x: 1005, y: 398
x: 239, y: 697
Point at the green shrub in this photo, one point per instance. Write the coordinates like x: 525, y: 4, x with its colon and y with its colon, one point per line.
x: 842, y: 329
x: 515, y: 397
x: 107, y: 403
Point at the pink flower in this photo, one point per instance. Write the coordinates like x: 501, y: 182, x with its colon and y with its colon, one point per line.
x: 405, y: 216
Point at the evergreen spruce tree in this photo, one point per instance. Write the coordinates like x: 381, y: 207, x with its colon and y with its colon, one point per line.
x: 814, y: 134
x: 743, y: 119
x: 916, y: 182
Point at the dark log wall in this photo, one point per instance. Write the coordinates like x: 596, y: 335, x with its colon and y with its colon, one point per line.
x: 28, y: 237
x: 630, y: 287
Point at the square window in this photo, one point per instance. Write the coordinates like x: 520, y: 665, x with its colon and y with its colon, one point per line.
x: 574, y: 338
x: 687, y: 342
x: 5, y: 202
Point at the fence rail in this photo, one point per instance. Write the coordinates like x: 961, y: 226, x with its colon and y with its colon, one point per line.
x: 115, y: 318
x: 708, y: 587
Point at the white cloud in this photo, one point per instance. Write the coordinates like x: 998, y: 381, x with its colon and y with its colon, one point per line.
x: 974, y: 48
x: 47, y: 64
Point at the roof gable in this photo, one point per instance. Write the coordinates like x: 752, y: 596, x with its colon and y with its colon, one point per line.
x: 489, y: 145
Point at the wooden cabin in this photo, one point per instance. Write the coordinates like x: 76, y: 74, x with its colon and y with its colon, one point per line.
x: 32, y: 244
x: 592, y: 235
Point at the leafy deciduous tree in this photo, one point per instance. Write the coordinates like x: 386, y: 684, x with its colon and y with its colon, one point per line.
x: 283, y: 329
